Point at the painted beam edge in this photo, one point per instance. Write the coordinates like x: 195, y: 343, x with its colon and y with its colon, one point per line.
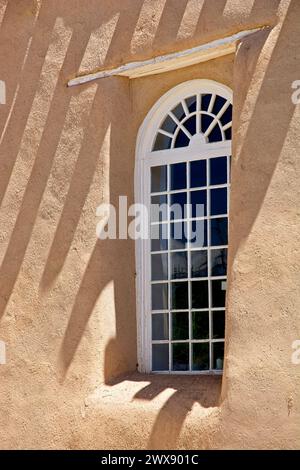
x: 171, y: 61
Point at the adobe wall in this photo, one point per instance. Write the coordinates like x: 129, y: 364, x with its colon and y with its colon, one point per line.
x: 67, y: 300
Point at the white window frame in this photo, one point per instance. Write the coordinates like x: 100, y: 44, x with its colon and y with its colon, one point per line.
x: 145, y: 158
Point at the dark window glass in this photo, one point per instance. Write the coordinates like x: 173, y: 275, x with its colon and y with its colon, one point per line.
x: 190, y: 125
x: 219, y: 231
x: 218, y: 105
x: 180, y: 326
x: 200, y: 356
x: 160, y: 357
x: 215, y: 134
x: 218, y: 201
x: 198, y: 173
x: 169, y: 125
x: 218, y: 293
x: 178, y: 111
x: 198, y: 203
x: 178, y: 203
x: 199, y: 263
x: 158, y: 179
x: 206, y: 121
x: 179, y: 265
x: 218, y: 324
x: 180, y: 356
x: 219, y: 262
x: 159, y: 208
x: 178, y: 176
x: 218, y: 170
x: 182, y: 140
x: 200, y: 294
x: 159, y: 296
x: 200, y: 325
x: 159, y: 267
x: 227, y: 116
x: 228, y: 133
x: 162, y: 142
x: 191, y: 103
x: 180, y: 299
x: 205, y: 100
x: 160, y: 326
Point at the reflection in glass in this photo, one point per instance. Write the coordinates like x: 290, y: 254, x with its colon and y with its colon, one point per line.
x: 179, y: 265
x: 159, y: 208
x: 219, y: 229
x: 198, y: 235
x: 200, y: 325
x: 218, y: 293
x: 162, y: 142
x: 200, y: 356
x: 179, y: 235
x: 180, y: 356
x: 159, y: 237
x: 158, y: 178
x: 180, y: 326
x: 160, y: 326
x: 178, y: 208
x: 198, y: 203
x: 199, y: 294
x: 159, y: 296
x: 218, y: 324
x: 218, y: 355
x: 159, y: 267
x: 160, y: 357
x: 199, y: 263
x: 180, y: 299
x: 218, y: 262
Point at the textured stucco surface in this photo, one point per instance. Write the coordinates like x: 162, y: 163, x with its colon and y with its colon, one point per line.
x: 67, y: 300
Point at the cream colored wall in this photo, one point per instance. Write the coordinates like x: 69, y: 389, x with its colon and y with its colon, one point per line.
x: 67, y: 300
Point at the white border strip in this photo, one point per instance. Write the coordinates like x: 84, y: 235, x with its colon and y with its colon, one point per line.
x: 171, y: 61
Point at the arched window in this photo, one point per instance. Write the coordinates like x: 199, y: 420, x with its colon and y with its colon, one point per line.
x: 183, y: 178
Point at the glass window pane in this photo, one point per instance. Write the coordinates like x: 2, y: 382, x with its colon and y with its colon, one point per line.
x: 191, y: 103
x: 215, y: 134
x: 169, y: 125
x: 200, y: 294
x: 180, y: 356
x: 160, y: 326
x: 160, y: 357
x: 218, y: 324
x: 218, y: 293
x: 218, y: 201
x: 180, y: 299
x: 158, y: 179
x: 200, y: 325
x: 180, y: 326
x: 178, y: 176
x: 200, y: 356
x: 159, y: 237
x: 181, y: 140
x: 159, y: 296
x: 159, y: 208
x: 218, y: 170
x: 206, y: 121
x: 205, y: 101
x: 178, y: 208
x: 198, y: 174
x: 218, y: 355
x: 179, y: 265
x: 199, y: 263
x: 198, y: 202
x: 219, y: 231
x: 219, y: 262
x: 190, y: 125
x: 198, y: 234
x: 159, y: 267
x: 178, y: 235
x: 162, y: 142
x: 178, y: 111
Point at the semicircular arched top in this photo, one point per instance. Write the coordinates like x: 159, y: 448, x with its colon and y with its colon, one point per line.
x: 197, y: 111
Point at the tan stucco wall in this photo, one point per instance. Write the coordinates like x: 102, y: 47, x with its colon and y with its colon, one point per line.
x: 67, y: 300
